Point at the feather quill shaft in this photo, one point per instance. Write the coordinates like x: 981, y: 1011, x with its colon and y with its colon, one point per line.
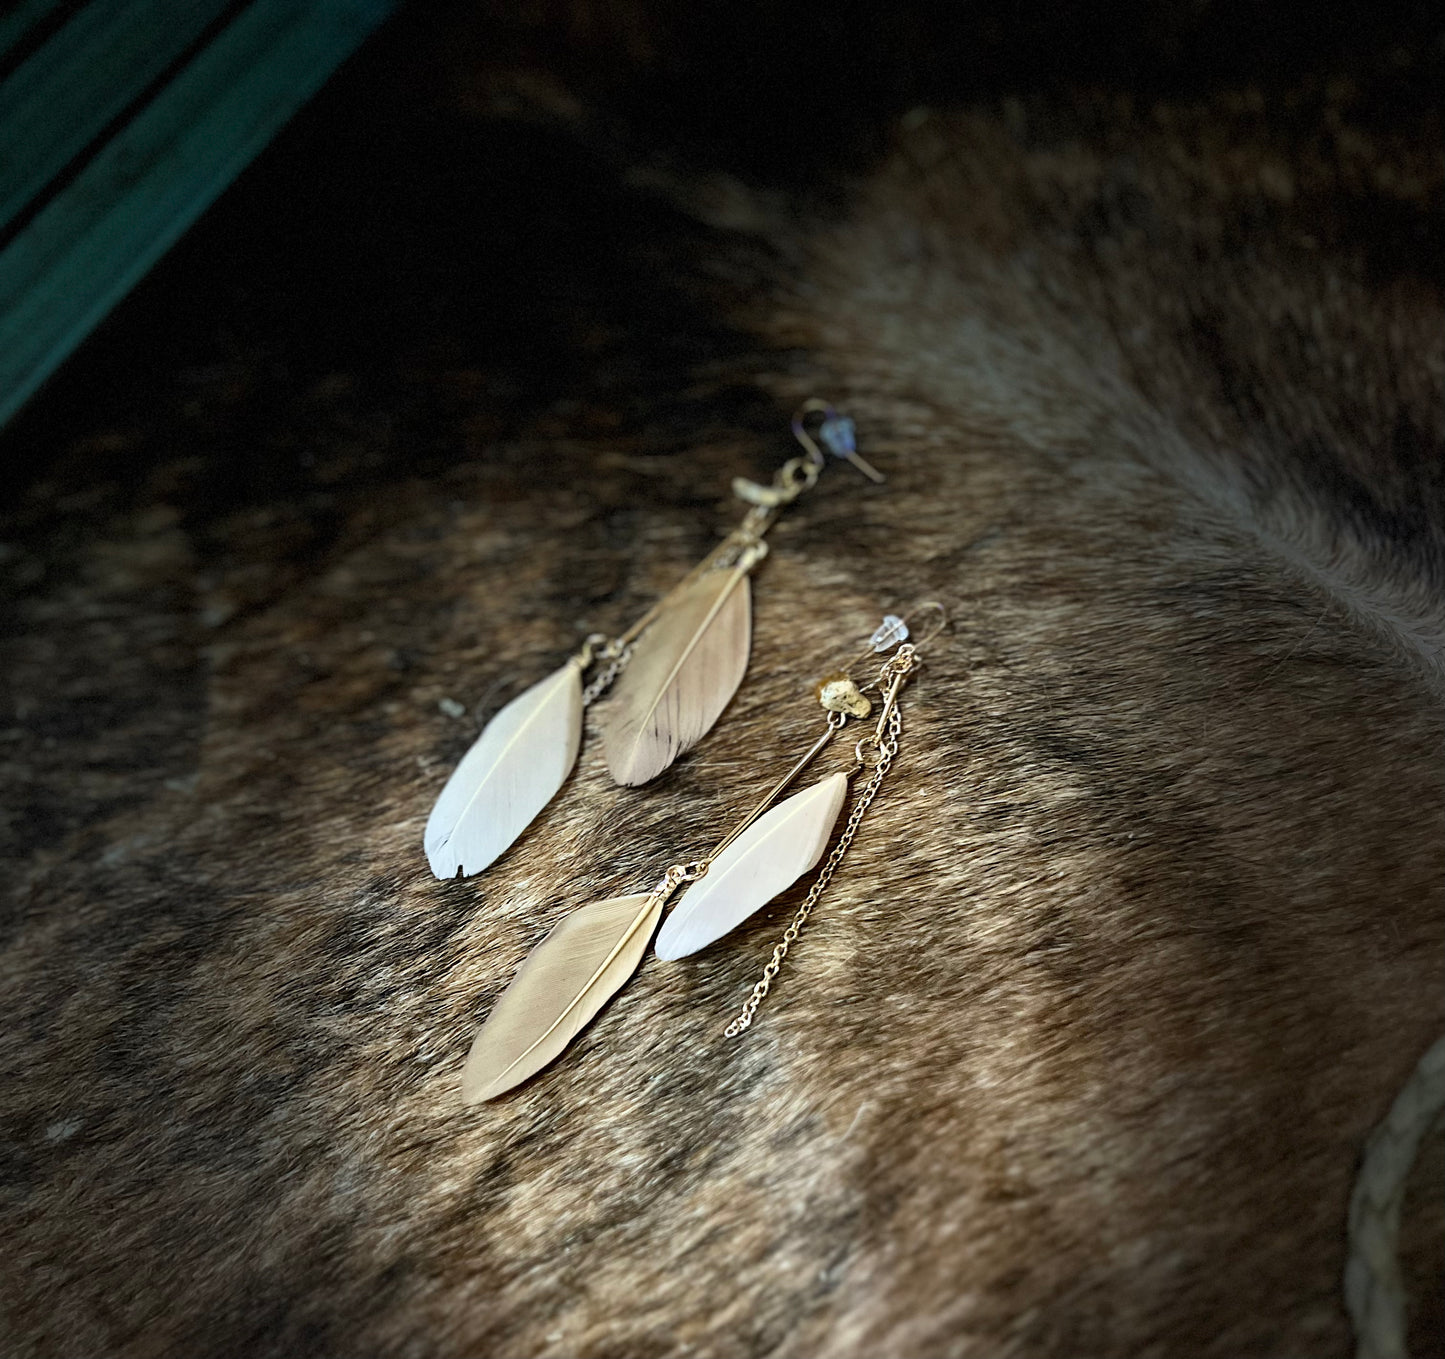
x: 512, y: 771
x: 561, y: 985
x: 684, y: 669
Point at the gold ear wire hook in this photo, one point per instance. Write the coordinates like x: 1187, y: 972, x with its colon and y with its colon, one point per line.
x: 936, y: 628
x: 800, y: 429
x: 901, y: 633
x: 836, y: 431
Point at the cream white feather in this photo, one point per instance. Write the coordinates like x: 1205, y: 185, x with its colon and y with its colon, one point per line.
x: 512, y: 771
x: 766, y: 859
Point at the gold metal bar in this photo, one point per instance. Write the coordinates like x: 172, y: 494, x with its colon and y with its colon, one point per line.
x: 773, y: 792
x: 890, y: 700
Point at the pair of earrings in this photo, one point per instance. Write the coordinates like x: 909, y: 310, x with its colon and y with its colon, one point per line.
x: 675, y: 670
x: 590, y: 954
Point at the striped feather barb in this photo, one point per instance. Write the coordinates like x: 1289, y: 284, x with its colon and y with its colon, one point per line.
x: 683, y: 671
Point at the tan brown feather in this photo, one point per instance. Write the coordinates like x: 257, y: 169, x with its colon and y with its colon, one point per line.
x: 685, y: 668
x: 580, y: 965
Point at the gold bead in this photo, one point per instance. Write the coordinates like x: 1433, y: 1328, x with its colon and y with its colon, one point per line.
x: 838, y: 694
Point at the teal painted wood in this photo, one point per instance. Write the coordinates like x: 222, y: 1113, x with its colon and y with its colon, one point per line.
x: 88, y: 247
x: 86, y: 74
x: 19, y: 19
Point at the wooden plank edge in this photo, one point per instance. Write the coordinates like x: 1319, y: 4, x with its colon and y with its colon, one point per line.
x: 81, y: 255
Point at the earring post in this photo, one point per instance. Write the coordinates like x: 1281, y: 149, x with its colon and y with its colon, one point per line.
x: 838, y: 433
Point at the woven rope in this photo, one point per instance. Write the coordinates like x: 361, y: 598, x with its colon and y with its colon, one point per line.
x: 1374, y: 1293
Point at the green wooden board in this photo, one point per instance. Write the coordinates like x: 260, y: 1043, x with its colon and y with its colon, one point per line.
x: 88, y: 73
x: 93, y: 241
x: 19, y: 19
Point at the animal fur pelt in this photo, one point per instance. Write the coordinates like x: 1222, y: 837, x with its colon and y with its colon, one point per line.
x: 1142, y: 934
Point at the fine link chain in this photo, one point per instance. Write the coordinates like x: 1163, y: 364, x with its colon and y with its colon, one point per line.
x: 613, y: 657
x: 742, y: 549
x: 887, y: 748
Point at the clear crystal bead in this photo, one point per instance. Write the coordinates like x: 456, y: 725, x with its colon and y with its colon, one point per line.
x: 889, y: 632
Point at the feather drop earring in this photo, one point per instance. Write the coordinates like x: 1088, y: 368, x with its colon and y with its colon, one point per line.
x: 590, y: 954
x: 675, y: 670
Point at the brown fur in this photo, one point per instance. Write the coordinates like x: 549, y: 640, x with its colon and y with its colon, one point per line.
x: 1139, y: 941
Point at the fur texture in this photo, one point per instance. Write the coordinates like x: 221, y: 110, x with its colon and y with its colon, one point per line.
x: 1140, y: 938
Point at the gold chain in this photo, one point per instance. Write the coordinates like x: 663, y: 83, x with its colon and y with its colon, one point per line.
x: 613, y: 655
x: 789, y: 482
x: 741, y: 550
x: 886, y: 744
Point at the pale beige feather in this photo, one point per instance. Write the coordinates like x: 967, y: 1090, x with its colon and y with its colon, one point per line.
x: 512, y: 771
x: 684, y: 669
x: 766, y: 859
x: 580, y: 965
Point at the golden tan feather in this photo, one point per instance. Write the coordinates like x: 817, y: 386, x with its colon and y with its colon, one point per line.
x: 684, y: 669
x: 559, y: 988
